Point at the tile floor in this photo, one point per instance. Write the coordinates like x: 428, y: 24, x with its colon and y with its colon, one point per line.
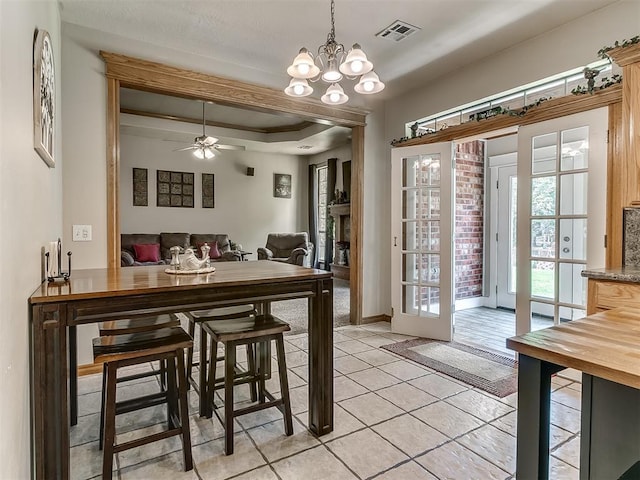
x: 394, y: 419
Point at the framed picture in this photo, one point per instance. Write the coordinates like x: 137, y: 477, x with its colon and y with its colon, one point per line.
x: 44, y: 98
x: 281, y: 185
x: 208, y: 191
x: 175, y: 189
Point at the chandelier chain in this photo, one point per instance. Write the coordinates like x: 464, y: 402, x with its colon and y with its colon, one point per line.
x: 331, y: 38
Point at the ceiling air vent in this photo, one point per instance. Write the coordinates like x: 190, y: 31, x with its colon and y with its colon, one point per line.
x: 305, y: 147
x: 397, y: 31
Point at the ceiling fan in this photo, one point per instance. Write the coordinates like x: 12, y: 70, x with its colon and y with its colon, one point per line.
x: 205, y: 146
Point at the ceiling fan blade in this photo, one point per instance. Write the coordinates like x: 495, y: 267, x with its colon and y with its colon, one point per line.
x: 190, y: 147
x: 229, y: 147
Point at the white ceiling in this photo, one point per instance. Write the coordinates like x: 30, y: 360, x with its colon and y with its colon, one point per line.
x: 267, y: 34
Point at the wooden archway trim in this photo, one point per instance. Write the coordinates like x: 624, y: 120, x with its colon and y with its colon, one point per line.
x: 124, y: 71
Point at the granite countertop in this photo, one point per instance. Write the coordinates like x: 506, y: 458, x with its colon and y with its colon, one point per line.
x: 618, y: 274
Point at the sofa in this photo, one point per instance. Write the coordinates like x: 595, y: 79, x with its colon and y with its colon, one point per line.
x: 292, y: 248
x: 154, y: 248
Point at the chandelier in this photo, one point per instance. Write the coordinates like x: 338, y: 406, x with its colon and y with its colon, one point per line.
x: 331, y: 64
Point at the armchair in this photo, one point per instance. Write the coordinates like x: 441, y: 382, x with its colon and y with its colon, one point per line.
x: 292, y: 248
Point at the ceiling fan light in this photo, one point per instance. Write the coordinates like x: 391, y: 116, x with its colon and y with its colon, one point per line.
x: 298, y: 87
x: 369, y: 83
x: 199, y: 153
x: 335, y: 95
x: 303, y: 66
x: 208, y: 153
x: 356, y: 63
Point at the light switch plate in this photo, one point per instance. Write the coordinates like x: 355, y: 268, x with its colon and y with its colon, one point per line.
x: 82, y: 233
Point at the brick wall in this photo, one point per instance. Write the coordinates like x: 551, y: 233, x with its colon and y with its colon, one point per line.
x: 469, y: 219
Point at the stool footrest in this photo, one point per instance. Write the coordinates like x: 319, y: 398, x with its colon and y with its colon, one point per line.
x: 149, y: 439
x: 257, y: 407
x: 138, y: 403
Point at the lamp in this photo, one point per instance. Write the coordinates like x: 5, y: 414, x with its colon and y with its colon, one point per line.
x: 331, y: 64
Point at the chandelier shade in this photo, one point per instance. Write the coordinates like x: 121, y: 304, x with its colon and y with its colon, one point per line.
x: 331, y: 64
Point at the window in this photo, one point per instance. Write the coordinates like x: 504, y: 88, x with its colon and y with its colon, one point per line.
x: 554, y: 87
x: 322, y: 211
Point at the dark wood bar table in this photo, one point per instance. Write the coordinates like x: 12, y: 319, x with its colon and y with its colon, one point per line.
x: 606, y: 348
x: 94, y: 295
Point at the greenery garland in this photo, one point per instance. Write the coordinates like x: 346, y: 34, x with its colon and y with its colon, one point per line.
x: 605, y: 82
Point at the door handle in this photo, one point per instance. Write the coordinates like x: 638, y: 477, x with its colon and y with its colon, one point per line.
x: 395, y: 241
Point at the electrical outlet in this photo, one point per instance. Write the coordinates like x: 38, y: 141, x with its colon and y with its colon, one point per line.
x: 82, y: 233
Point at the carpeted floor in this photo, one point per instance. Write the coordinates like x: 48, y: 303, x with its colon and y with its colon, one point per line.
x: 488, y: 371
x: 294, y: 312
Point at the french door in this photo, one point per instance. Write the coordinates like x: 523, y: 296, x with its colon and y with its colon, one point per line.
x: 422, y: 240
x: 561, y: 216
x: 506, y: 248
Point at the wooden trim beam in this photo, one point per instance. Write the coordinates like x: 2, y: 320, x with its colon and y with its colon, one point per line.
x: 160, y: 78
x: 163, y: 116
x: 113, y: 173
x: 555, y: 108
x: 357, y: 214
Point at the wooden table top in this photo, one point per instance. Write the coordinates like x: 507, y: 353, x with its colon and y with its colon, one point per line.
x: 605, y: 345
x: 103, y: 282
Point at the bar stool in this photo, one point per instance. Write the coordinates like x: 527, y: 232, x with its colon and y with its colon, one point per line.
x: 197, y: 317
x: 118, y: 351
x: 259, y: 331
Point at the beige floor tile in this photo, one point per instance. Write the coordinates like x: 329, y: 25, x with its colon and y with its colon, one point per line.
x: 168, y: 466
x: 273, y: 443
x: 299, y: 400
x: 344, y: 387
x: 558, y: 470
x: 150, y: 450
x: 366, y: 453
x: 204, y: 430
x: 296, y: 359
x: 355, y: 332
x: 262, y: 473
x: 479, y: 405
x: 405, y: 370
x: 557, y: 436
x: 343, y: 424
x: 376, y: 357
x: 406, y: 396
x: 377, y: 327
x: 569, y: 452
x: 371, y: 408
x: 571, y: 374
x: 507, y: 423
x: 448, y: 419
x: 301, y: 342
x: 353, y: 346
x: 438, y: 386
x: 315, y: 464
x: 568, y: 396
x: 410, y: 435
x: 373, y: 378
x: 397, y: 337
x: 349, y: 364
x: 212, y: 463
x: 339, y: 337
x: 492, y: 444
x: 302, y: 372
x: 565, y: 417
x: 87, y: 430
x: 455, y: 462
x: 406, y: 471
x: 258, y: 418
x: 376, y: 340
x: 337, y: 353
x: 86, y: 461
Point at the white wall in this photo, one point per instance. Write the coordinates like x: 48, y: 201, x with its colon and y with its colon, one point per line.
x: 245, y: 207
x: 30, y: 216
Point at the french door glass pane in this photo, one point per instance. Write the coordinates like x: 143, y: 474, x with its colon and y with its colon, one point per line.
x: 429, y: 168
x: 573, y: 238
x: 544, y: 153
x: 410, y: 236
x: 410, y: 203
x: 541, y: 315
x: 410, y: 299
x: 543, y: 279
x: 410, y: 268
x: 543, y: 238
x: 572, y: 286
x: 575, y: 149
x: 430, y: 300
x: 430, y: 268
x: 543, y: 196
x: 573, y: 194
x: 430, y: 204
x: 430, y: 236
x: 513, y: 232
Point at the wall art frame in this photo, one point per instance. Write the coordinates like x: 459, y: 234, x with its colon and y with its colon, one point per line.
x: 175, y: 189
x: 44, y: 97
x: 208, y: 190
x: 282, y: 185
x: 140, y: 187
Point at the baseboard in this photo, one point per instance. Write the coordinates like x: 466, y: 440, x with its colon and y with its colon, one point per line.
x: 376, y: 318
x: 466, y: 303
x: 89, y: 369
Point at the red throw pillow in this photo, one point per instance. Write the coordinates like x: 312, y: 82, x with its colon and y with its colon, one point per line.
x: 214, y: 252
x: 147, y: 252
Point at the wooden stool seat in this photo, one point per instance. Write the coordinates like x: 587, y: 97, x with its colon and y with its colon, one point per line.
x: 124, y: 326
x: 166, y: 345
x: 196, y: 317
x: 257, y: 331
